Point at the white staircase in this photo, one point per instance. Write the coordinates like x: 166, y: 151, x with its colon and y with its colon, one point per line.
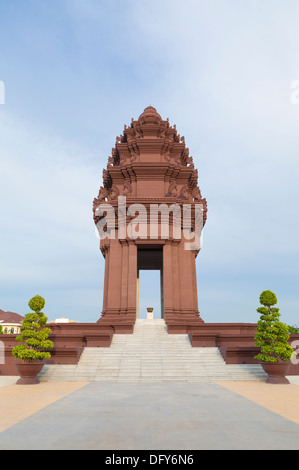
x: 150, y: 354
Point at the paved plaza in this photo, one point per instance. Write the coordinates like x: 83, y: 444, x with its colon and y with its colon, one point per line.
x: 149, y: 416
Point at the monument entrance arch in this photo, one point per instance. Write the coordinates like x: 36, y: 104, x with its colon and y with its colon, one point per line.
x: 149, y: 213
x: 150, y: 258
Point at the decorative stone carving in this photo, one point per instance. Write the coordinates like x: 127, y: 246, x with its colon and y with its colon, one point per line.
x: 96, y: 203
x: 196, y: 194
x: 110, y: 162
x: 103, y: 195
x: 172, y: 190
x: 184, y: 192
x: 150, y: 116
x: 127, y: 190
x: 115, y: 156
x: 189, y: 161
x: 114, y: 192
x: 134, y: 156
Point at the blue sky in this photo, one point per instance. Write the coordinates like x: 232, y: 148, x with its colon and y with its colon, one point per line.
x: 76, y: 71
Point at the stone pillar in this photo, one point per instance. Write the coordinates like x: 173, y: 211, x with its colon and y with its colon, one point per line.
x: 188, y: 286
x: 124, y: 276
x: 167, y: 279
x: 176, y: 278
x: 132, y: 281
x: 106, y: 253
x: 186, y: 283
x: 195, y: 297
x: 115, y: 278
x: 119, y: 299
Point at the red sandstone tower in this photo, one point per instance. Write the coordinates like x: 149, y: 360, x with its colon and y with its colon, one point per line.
x: 149, y: 167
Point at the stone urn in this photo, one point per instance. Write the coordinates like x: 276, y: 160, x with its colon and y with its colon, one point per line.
x: 28, y: 372
x: 150, y: 314
x: 276, y: 371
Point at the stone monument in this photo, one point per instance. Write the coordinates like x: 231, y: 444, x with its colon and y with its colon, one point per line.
x: 150, y: 187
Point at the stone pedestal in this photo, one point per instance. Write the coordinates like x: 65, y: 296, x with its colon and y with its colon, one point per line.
x: 150, y: 314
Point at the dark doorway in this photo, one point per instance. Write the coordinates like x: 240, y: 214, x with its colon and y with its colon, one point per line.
x: 150, y: 290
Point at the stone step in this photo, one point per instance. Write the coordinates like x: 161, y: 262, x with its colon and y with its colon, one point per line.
x: 149, y: 355
x: 91, y: 377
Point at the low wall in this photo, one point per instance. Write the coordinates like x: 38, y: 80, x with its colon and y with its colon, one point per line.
x: 211, y: 328
x: 234, y: 340
x: 246, y: 355
x: 69, y: 340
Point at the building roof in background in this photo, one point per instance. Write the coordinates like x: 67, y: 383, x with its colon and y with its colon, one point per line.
x: 10, y: 317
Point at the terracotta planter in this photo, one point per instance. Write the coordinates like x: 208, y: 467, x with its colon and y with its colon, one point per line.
x: 28, y: 372
x: 276, y: 371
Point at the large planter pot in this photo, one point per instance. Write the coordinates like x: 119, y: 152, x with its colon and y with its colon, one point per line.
x: 276, y: 371
x: 28, y: 372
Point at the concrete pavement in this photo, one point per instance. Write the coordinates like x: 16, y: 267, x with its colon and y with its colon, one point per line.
x: 153, y: 416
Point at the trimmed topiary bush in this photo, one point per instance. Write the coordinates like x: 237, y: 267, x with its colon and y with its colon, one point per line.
x: 34, y: 334
x: 37, y: 303
x: 272, y: 335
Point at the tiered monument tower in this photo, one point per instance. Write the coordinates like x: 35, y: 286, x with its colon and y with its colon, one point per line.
x: 150, y: 165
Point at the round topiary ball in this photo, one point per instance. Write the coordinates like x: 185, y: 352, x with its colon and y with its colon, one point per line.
x: 268, y: 298
x: 37, y: 303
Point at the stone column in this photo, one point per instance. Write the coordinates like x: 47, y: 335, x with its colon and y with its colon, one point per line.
x: 132, y: 280
x: 124, y: 276
x: 195, y: 297
x: 115, y: 277
x: 176, y: 278
x: 167, y: 278
x: 186, y: 280
x: 106, y: 253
